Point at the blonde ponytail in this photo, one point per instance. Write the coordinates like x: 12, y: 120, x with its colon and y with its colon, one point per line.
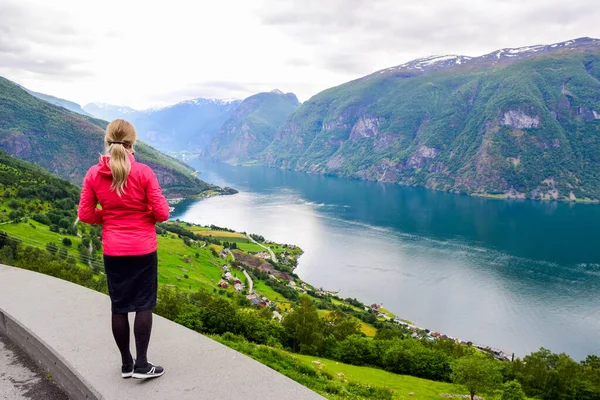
x: 119, y: 140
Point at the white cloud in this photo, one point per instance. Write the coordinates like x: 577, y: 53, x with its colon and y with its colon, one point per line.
x: 150, y: 53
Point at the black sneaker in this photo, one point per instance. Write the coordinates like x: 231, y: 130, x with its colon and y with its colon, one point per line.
x: 127, y: 371
x: 149, y: 371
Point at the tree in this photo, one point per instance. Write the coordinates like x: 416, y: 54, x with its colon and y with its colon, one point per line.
x: 549, y: 376
x: 42, y: 219
x: 304, y: 326
x: 6, y: 255
x: 341, y: 325
x: 592, y: 361
x: 477, y: 373
x: 513, y: 391
x: 356, y: 350
x: 389, y: 333
x: 67, y: 242
x: 65, y: 223
x: 266, y: 313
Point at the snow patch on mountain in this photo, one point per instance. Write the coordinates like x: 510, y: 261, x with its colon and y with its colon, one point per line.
x: 438, y: 62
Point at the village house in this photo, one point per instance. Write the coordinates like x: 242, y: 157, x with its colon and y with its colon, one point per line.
x: 257, y: 301
x: 263, y: 255
x: 238, y: 287
x: 223, y: 284
x: 277, y: 316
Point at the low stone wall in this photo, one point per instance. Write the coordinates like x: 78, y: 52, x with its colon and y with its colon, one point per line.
x: 66, y: 329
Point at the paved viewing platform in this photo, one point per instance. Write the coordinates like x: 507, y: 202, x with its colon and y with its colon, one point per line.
x: 65, y: 328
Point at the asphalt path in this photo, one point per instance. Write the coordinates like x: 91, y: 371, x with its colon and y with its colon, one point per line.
x: 21, y: 378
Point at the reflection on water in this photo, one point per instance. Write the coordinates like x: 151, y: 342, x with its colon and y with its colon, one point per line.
x: 516, y: 275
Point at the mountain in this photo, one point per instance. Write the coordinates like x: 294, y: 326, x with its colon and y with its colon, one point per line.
x: 513, y: 123
x: 188, y: 125
x: 108, y: 112
x: 69, y: 105
x: 67, y: 144
x: 252, y: 127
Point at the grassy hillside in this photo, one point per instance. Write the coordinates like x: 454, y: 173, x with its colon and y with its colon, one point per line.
x: 67, y: 144
x: 520, y: 127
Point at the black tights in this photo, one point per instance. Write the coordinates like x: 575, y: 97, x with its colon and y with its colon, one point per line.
x: 142, y: 328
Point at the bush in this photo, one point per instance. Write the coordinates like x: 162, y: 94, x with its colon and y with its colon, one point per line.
x: 42, y: 219
x: 513, y: 391
x: 62, y: 254
x: 67, y: 242
x: 65, y: 223
x: 51, y: 248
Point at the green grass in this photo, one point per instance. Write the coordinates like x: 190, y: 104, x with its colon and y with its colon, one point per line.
x: 341, y: 303
x: 265, y: 290
x: 250, y: 247
x: 203, y: 271
x: 402, y: 385
x: 386, y: 312
x: 367, y: 329
x: 40, y: 235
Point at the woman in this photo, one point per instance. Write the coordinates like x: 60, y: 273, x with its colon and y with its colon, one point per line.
x: 132, y: 202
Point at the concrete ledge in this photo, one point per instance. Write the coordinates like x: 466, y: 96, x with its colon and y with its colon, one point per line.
x: 66, y: 328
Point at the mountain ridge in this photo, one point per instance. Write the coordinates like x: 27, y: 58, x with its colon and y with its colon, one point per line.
x: 69, y: 105
x: 501, y: 56
x: 252, y: 126
x: 63, y: 142
x: 187, y: 125
x: 525, y: 127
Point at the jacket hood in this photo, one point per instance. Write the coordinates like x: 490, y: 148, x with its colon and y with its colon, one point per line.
x: 104, y: 164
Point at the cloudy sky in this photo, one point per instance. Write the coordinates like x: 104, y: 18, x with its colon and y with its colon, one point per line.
x: 153, y: 53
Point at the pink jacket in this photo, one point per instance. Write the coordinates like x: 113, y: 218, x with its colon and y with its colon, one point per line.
x: 128, y: 222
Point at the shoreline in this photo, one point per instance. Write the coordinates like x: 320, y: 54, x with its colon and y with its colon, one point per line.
x: 491, y: 196
x: 420, y: 332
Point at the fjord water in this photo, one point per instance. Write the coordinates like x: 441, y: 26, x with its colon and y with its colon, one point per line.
x: 512, y: 274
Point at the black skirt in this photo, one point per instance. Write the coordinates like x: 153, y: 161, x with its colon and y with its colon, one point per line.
x: 132, y: 282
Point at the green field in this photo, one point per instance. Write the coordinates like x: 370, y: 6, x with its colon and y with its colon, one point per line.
x: 402, y: 385
x: 40, y: 236
x: 250, y: 247
x: 177, y: 260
